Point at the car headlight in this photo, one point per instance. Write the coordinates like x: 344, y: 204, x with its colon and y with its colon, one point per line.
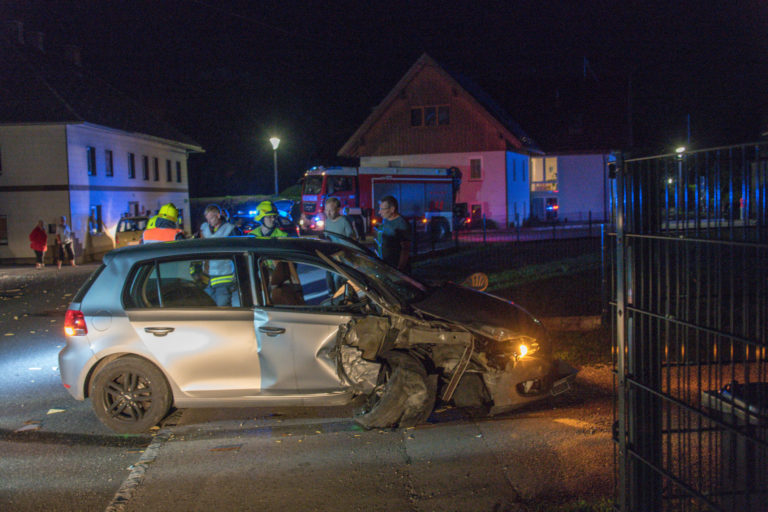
x: 522, y: 346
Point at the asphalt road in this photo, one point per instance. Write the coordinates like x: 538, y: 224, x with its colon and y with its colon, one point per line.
x: 55, y: 455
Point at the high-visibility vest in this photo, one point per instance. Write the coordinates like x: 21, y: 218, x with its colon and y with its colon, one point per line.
x: 160, y: 235
x: 275, y: 233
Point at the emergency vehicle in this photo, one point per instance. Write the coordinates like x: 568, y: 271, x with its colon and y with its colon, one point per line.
x: 425, y: 194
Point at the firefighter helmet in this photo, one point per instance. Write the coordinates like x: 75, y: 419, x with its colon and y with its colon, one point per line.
x: 169, y: 212
x: 265, y: 209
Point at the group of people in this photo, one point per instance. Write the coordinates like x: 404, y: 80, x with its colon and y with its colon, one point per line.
x: 394, y: 233
x: 63, y: 248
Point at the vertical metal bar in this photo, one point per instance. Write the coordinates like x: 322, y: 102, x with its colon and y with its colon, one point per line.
x: 621, y: 342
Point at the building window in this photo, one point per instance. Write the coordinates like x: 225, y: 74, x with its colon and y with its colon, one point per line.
x: 109, y: 170
x: 145, y: 167
x: 178, y: 172
x: 95, y: 220
x: 131, y: 166
x: 416, y: 117
x: 90, y: 155
x: 431, y: 115
x: 168, y: 173
x: 475, y: 169
x: 156, y: 169
x: 3, y: 230
x: 443, y: 115
x: 544, y: 174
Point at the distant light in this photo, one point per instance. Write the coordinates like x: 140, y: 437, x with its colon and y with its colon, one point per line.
x: 424, y: 220
x: 679, y: 150
x: 252, y: 212
x: 670, y: 180
x: 275, y: 142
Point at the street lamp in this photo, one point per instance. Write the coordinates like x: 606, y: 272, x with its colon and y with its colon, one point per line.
x: 275, y: 142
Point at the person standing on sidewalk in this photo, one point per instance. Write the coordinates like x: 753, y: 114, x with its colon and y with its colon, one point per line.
x: 38, y: 239
x: 64, y: 243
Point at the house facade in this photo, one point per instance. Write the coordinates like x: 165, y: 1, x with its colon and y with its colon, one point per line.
x: 72, y: 146
x: 433, y: 118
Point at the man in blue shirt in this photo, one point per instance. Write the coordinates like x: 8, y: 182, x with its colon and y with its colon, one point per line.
x: 394, y: 235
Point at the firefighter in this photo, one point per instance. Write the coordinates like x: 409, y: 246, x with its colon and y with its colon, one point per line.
x: 220, y: 272
x: 163, y: 227
x: 266, y: 216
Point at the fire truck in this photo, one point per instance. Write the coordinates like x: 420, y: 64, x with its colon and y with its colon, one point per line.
x: 424, y: 194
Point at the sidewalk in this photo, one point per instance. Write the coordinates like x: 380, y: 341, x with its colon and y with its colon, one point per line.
x: 10, y: 274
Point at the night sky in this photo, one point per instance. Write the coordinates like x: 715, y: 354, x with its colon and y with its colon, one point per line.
x: 232, y: 73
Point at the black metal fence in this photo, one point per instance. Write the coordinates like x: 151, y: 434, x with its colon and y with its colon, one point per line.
x: 690, y: 331
x: 426, y: 240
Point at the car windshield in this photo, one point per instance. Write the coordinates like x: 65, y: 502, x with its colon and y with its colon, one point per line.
x: 399, y: 285
x: 313, y: 184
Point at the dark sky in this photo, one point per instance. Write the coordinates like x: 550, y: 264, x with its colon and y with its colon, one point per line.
x: 230, y: 73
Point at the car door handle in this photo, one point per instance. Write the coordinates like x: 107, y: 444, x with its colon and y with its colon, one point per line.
x: 272, y: 331
x: 158, y: 331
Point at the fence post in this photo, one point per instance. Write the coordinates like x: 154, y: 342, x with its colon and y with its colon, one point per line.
x: 483, y: 228
x: 554, y: 230
x: 414, y: 236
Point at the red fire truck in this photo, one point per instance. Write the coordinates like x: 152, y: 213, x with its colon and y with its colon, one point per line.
x: 425, y: 194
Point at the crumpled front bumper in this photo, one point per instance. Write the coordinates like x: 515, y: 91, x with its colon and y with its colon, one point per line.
x: 527, y: 380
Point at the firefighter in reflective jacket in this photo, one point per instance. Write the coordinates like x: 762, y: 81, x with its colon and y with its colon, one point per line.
x: 266, y: 215
x: 163, y: 227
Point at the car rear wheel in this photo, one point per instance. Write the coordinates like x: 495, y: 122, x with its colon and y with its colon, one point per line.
x: 130, y: 395
x: 404, y: 396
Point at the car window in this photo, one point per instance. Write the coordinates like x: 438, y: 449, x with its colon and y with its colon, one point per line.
x: 185, y: 283
x: 298, y: 284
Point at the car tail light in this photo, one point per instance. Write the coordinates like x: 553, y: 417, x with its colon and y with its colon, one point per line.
x: 74, y: 323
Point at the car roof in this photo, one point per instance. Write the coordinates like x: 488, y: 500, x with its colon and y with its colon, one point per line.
x: 223, y: 244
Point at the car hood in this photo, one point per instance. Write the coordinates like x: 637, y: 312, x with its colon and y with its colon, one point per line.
x: 477, y: 311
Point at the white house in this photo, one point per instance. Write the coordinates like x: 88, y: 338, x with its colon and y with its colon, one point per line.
x: 433, y: 118
x: 72, y: 145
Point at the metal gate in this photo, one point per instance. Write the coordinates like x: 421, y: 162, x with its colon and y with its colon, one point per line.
x: 690, y: 330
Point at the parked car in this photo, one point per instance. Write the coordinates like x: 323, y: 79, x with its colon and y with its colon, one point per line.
x: 129, y: 230
x: 310, y: 322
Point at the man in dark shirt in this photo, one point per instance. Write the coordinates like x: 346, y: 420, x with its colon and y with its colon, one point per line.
x: 394, y: 235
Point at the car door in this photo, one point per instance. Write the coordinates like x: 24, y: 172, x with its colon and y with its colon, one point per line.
x: 298, y: 313
x: 208, y: 351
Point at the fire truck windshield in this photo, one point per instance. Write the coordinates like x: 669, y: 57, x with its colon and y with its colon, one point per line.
x: 313, y: 184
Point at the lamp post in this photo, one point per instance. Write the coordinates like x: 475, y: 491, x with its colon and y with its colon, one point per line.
x: 275, y: 142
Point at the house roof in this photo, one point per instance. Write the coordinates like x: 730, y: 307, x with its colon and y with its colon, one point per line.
x: 39, y: 87
x: 483, y: 101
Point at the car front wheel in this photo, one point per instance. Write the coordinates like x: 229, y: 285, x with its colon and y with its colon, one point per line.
x: 130, y: 395
x: 404, y: 396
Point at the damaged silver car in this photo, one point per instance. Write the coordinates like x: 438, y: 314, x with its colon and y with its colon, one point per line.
x: 235, y: 322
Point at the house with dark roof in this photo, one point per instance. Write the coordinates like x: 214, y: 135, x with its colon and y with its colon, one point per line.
x: 72, y: 145
x: 437, y: 118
